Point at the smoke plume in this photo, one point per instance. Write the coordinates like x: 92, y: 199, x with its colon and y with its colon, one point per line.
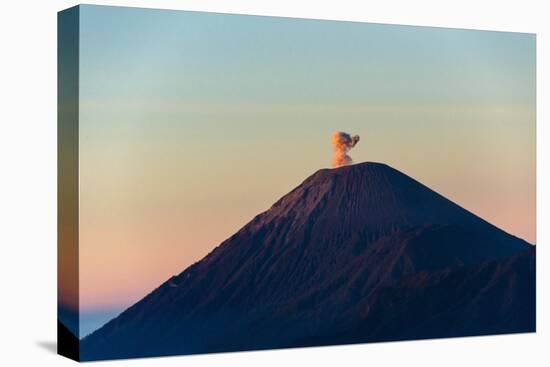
x: 342, y: 143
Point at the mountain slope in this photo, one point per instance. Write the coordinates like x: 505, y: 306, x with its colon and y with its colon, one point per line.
x: 307, y: 267
x: 67, y: 342
x: 493, y: 297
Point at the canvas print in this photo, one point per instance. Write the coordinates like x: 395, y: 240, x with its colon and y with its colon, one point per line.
x: 236, y: 183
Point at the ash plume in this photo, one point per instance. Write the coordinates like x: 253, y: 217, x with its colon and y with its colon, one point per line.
x: 342, y: 143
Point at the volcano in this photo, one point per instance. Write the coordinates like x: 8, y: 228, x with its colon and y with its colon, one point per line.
x: 361, y: 253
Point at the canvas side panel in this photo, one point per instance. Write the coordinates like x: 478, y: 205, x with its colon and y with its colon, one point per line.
x: 67, y: 183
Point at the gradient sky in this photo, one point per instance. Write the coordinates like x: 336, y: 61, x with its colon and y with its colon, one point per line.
x: 193, y: 123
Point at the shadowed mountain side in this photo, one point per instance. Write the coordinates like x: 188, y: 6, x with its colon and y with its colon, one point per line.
x: 392, y: 258
x: 67, y: 342
x: 305, y: 267
x: 494, y: 297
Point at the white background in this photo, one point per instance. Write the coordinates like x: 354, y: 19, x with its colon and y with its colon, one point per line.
x: 28, y: 183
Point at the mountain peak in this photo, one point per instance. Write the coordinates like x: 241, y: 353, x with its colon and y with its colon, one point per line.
x: 370, y: 196
x: 362, y: 168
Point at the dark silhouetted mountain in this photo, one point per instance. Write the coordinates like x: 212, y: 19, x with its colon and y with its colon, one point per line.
x: 354, y: 254
x: 67, y: 342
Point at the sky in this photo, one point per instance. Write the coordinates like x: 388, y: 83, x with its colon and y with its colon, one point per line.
x: 193, y: 123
